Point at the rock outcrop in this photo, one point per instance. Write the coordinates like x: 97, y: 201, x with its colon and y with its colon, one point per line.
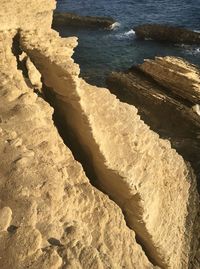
x: 167, y: 33
x: 51, y: 217
x: 15, y: 14
x: 137, y: 169
x: 165, y: 91
x: 71, y: 19
x: 175, y: 74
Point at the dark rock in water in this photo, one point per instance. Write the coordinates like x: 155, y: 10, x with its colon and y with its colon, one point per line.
x: 171, y: 116
x: 71, y: 19
x: 167, y: 33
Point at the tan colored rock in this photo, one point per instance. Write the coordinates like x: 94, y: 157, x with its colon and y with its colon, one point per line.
x: 167, y: 115
x: 58, y: 219
x: 25, y: 14
x: 142, y: 173
x: 177, y: 75
x: 34, y: 75
x: 5, y: 218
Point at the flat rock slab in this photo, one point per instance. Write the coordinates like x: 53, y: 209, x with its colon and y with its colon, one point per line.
x: 176, y: 75
x: 167, y: 33
x: 71, y: 19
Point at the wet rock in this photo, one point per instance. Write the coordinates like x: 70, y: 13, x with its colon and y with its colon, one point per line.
x: 71, y: 19
x: 167, y: 33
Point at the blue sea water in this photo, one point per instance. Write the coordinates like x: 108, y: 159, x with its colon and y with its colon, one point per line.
x: 101, y: 51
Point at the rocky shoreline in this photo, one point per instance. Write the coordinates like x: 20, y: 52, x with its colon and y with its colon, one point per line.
x: 139, y: 208
x: 166, y: 92
x: 167, y: 33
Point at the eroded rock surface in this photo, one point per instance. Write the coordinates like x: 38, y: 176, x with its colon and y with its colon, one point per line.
x: 168, y: 108
x: 37, y: 14
x: 177, y: 75
x: 50, y: 215
x: 137, y: 169
x: 167, y: 33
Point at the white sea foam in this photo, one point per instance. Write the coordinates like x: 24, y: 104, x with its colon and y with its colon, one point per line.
x: 196, y: 109
x: 193, y: 51
x: 115, y: 26
x: 130, y: 33
x: 126, y: 35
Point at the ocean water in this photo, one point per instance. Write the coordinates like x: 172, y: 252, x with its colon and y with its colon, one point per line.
x: 101, y: 51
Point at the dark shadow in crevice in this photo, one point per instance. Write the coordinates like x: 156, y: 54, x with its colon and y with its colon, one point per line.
x: 145, y: 250
x: 17, y: 51
x: 69, y: 138
x: 12, y: 229
x: 81, y: 155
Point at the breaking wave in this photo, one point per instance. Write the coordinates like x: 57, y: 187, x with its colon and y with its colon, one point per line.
x: 128, y: 34
x: 115, y: 26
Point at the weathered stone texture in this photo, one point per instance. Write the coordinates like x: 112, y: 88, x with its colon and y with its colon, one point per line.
x: 177, y: 75
x: 148, y: 179
x: 50, y: 215
x: 26, y: 14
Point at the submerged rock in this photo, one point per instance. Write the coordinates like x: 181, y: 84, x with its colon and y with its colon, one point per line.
x: 167, y: 33
x: 71, y: 19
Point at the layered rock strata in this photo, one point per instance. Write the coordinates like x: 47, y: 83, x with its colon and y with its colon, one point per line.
x: 148, y: 179
x: 175, y: 74
x: 168, y: 108
x: 50, y: 215
x: 71, y: 19
x: 167, y: 33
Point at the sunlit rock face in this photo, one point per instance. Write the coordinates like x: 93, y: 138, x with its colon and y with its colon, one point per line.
x: 25, y: 14
x: 139, y: 171
x: 51, y: 217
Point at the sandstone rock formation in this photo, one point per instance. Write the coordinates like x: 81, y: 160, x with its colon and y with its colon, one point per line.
x: 51, y: 215
x: 177, y: 75
x: 15, y: 14
x: 167, y: 33
x: 137, y: 169
x: 71, y: 19
x: 164, y: 102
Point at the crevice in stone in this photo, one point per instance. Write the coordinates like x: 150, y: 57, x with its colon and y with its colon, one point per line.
x: 12, y: 229
x: 80, y: 155
x: 145, y: 250
x: 17, y: 51
x: 66, y: 108
x: 21, y: 64
x: 69, y: 138
x: 54, y: 242
x: 182, y: 128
